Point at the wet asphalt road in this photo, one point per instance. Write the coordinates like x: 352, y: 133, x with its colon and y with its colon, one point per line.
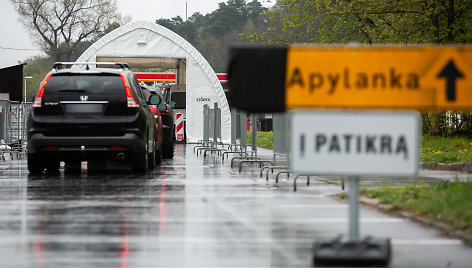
x: 191, y: 212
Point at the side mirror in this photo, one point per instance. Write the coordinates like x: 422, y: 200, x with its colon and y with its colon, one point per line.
x: 172, y: 104
x: 162, y: 107
x: 154, y: 99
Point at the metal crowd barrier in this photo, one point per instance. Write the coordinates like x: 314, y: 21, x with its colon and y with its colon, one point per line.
x: 241, y: 134
x: 211, y: 126
x: 234, y: 130
x: 206, y: 129
x: 241, y: 131
x: 253, y: 159
x: 13, y: 116
x: 280, y: 143
x: 238, y: 133
x: 206, y: 122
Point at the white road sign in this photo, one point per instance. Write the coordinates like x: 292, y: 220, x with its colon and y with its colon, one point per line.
x: 355, y: 143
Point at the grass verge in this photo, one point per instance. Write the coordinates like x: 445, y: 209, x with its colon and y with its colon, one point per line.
x: 264, y: 139
x: 447, y: 202
x: 446, y: 150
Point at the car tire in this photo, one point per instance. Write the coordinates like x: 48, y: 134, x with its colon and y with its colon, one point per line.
x: 151, y: 160
x: 35, y: 164
x: 158, y: 158
x: 140, y: 162
x: 168, y: 150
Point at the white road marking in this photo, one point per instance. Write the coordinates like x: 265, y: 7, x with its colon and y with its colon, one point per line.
x: 312, y: 206
x: 427, y: 242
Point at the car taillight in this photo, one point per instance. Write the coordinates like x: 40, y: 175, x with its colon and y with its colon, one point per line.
x: 116, y: 147
x: 50, y: 148
x: 165, y: 111
x: 39, y: 97
x: 130, y: 98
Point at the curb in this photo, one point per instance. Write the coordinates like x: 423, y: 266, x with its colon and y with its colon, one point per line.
x: 443, y: 227
x: 458, y: 167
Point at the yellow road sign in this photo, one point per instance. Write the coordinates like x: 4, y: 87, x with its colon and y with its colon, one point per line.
x: 375, y: 77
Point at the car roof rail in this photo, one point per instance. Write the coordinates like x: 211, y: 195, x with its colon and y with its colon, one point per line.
x: 122, y: 65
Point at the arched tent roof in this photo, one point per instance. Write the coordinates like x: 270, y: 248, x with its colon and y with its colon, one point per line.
x: 147, y: 41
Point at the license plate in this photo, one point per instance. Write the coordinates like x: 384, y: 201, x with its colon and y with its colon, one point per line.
x: 84, y: 108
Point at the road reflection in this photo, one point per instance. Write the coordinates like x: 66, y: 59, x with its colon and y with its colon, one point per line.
x: 99, y: 217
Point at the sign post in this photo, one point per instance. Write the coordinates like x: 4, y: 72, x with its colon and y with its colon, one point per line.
x: 353, y: 209
x: 352, y: 143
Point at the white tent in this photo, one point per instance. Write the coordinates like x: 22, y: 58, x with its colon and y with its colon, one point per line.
x: 146, y: 44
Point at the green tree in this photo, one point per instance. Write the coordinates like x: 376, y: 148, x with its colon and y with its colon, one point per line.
x: 376, y: 22
x: 213, y: 33
x: 186, y: 29
x: 368, y: 21
x: 226, y: 18
x: 255, y: 10
x: 37, y: 67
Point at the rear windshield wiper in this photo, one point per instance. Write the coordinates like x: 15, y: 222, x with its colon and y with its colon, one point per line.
x: 72, y: 90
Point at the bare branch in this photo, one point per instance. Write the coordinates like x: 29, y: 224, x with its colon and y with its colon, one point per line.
x: 68, y: 22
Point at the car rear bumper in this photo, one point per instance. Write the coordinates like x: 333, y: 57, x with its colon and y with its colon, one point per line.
x: 84, y: 148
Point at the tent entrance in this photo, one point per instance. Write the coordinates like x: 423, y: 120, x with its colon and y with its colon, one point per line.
x: 144, y: 44
x: 141, y: 62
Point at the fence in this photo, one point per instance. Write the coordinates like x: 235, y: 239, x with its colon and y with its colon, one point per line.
x: 238, y: 145
x: 211, y: 130
x: 281, y: 138
x: 13, y: 117
x: 238, y: 133
x: 214, y: 123
x: 280, y: 123
x: 238, y: 130
x: 281, y: 142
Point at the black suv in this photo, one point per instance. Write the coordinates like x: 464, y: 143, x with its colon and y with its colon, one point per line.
x: 91, y: 114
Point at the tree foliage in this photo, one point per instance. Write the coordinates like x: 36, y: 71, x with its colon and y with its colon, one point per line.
x: 36, y: 67
x: 368, y: 21
x: 376, y: 22
x: 61, y: 27
x: 213, y: 33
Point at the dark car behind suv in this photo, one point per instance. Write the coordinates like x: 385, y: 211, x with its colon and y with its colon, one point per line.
x: 157, y: 116
x: 168, y: 127
x: 86, y: 113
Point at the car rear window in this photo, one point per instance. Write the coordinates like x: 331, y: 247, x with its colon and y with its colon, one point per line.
x: 179, y: 99
x: 161, y: 98
x: 90, y: 84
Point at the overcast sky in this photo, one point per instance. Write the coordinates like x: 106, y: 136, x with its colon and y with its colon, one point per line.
x: 16, y: 45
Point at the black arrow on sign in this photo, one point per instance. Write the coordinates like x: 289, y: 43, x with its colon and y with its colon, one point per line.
x: 451, y: 73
